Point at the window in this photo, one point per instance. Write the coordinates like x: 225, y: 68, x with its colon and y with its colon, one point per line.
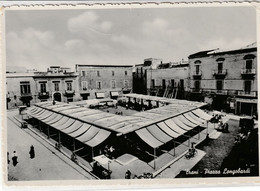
x: 25, y: 87
x: 69, y: 86
x: 113, y: 73
x: 219, y: 84
x: 247, y: 86
x: 56, y: 86
x: 98, y: 73
x: 99, y: 85
x: 126, y: 84
x: 84, y: 85
x: 113, y: 84
x: 152, y: 83
x: 43, y: 87
x: 197, y: 69
x: 220, y: 67
x: 83, y: 73
x: 126, y: 73
x: 249, y: 64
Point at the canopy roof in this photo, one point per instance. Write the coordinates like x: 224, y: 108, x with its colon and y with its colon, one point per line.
x: 155, y: 127
x: 88, y: 134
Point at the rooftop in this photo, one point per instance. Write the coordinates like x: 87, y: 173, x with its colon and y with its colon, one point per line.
x: 248, y: 48
x: 125, y: 124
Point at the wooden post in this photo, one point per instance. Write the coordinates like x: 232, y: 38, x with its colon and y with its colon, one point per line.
x: 40, y: 126
x: 189, y: 140
x: 48, y: 131
x: 74, y: 145
x: 199, y: 133
x: 59, y: 138
x: 154, y: 158
x: 92, y: 153
x: 174, y: 145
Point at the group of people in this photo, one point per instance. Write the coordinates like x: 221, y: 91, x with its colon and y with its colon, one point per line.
x: 15, y: 157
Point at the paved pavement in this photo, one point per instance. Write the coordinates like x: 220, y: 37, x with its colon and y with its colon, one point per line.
x: 48, y: 163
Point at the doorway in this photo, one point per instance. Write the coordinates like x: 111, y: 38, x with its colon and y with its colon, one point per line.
x: 57, y: 96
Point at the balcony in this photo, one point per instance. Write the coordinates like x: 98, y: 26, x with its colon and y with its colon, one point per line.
x: 69, y: 93
x: 197, y: 73
x: 219, y: 73
x: 248, y: 73
x: 247, y: 94
x: 221, y: 92
x: 26, y: 94
x: 43, y: 95
x: 196, y: 90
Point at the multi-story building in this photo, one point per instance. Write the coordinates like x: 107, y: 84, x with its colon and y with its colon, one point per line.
x: 169, y: 80
x: 32, y: 87
x: 101, y: 81
x: 20, y: 89
x: 140, y: 76
x: 58, y: 84
x: 226, y: 79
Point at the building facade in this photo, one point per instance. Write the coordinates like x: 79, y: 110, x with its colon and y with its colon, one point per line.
x: 140, y: 74
x: 29, y: 88
x: 169, y: 80
x: 97, y: 81
x: 58, y: 84
x: 227, y: 80
x: 20, y: 89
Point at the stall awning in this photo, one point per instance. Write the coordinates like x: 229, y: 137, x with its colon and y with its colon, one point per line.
x: 85, y: 133
x: 100, y: 95
x: 114, y: 94
x: 146, y: 136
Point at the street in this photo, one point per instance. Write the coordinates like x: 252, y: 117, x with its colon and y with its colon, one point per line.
x: 48, y: 163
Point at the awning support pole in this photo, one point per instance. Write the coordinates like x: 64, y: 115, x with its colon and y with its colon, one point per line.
x: 174, y: 145
x: 154, y: 158
x: 48, y: 131
x: 189, y: 140
x: 199, y: 133
x: 92, y: 152
x: 74, y: 145
x: 59, y: 138
x: 40, y: 126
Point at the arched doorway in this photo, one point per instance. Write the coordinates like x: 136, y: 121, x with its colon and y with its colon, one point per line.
x: 57, y: 96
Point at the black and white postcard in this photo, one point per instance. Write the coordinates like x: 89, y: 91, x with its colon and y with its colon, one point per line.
x: 166, y: 93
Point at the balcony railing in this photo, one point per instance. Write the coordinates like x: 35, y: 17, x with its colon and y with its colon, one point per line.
x: 43, y: 95
x: 223, y: 92
x: 69, y: 93
x: 197, y: 73
x: 26, y: 94
x: 219, y: 72
x: 248, y: 71
x: 249, y: 94
x: 196, y: 90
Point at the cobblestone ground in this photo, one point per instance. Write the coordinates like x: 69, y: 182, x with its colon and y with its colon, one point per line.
x: 216, y: 150
x: 45, y: 166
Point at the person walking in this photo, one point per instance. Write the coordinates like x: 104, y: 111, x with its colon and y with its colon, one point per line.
x: 8, y: 160
x: 32, y: 152
x: 128, y: 174
x: 14, y: 158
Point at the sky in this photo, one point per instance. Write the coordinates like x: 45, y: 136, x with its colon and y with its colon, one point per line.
x: 37, y: 39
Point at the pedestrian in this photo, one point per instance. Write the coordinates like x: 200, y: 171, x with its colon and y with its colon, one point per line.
x: 32, y: 152
x: 14, y: 158
x: 128, y: 174
x: 8, y: 161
